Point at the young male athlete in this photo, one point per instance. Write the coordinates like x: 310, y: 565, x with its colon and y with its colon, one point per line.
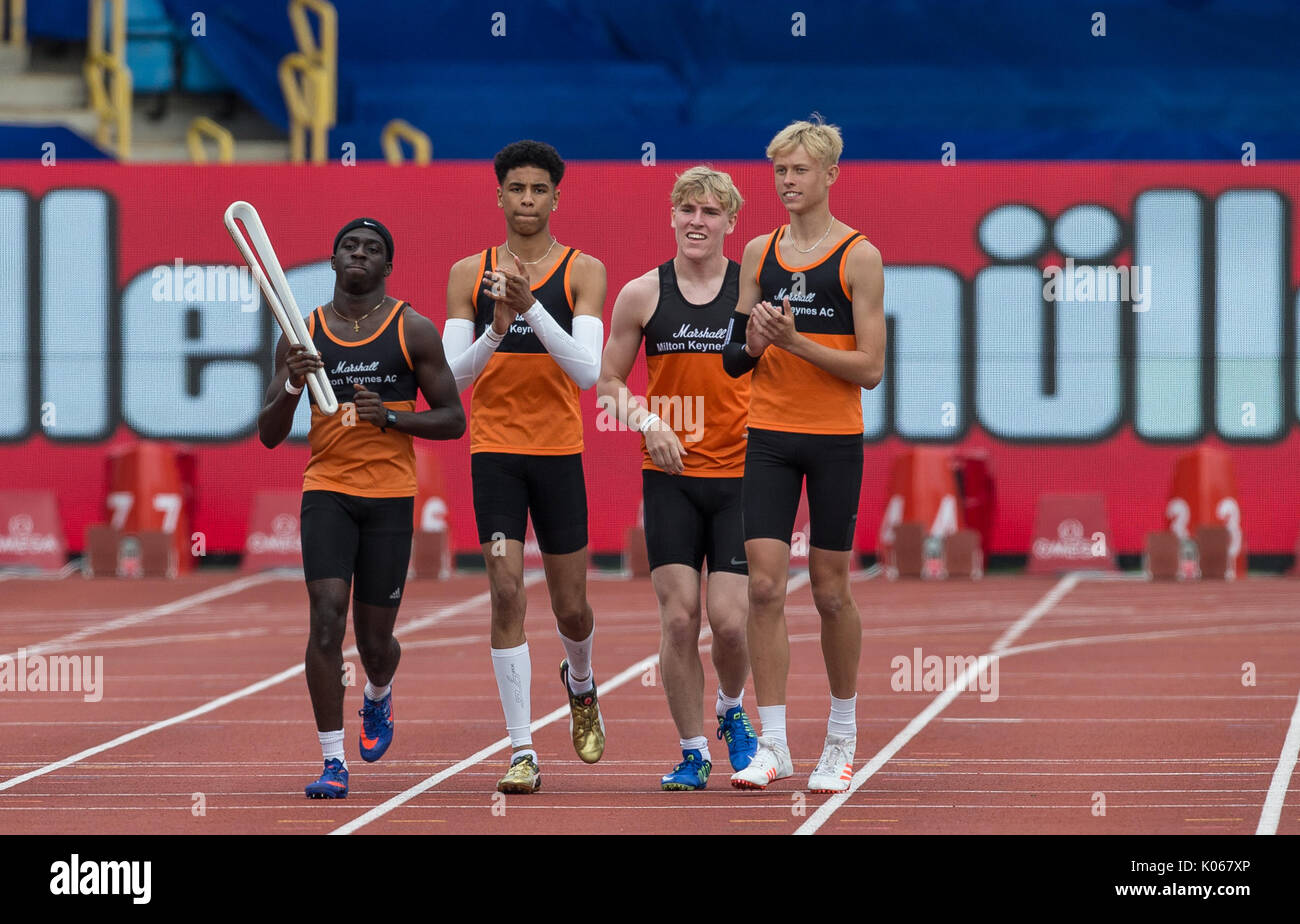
x: 524, y: 326
x: 810, y: 324
x: 358, y: 497
x: 693, y: 462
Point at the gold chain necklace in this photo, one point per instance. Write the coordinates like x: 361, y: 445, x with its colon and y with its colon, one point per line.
x: 819, y: 240
x: 356, y: 322
x: 538, y: 260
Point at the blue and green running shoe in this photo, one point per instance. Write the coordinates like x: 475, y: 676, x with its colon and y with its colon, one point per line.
x: 691, y: 773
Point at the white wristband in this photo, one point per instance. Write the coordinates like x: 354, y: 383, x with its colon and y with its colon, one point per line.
x: 288, y: 386
x: 648, y: 421
x: 493, y: 337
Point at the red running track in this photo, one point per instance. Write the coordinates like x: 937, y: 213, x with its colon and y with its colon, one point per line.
x: 1120, y: 708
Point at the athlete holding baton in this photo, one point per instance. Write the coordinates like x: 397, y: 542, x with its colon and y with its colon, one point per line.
x: 358, y: 497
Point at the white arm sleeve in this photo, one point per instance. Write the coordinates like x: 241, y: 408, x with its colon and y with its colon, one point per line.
x: 465, y: 355
x: 579, y: 355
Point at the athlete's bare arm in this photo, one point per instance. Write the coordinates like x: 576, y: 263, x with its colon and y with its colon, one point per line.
x: 587, y: 281
x: 863, y: 366
x: 632, y: 311
x: 445, y: 418
x: 740, y: 354
x: 626, y: 327
x: 275, y: 420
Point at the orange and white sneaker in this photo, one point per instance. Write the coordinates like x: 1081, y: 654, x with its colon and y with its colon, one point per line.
x: 771, y: 763
x: 835, y: 770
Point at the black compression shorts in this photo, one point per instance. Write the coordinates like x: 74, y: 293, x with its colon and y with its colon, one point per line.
x: 690, y: 519
x: 776, y: 464
x: 509, y: 486
x: 365, y: 541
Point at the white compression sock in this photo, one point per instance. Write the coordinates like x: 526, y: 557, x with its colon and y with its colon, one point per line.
x: 844, y: 717
x: 579, y: 655
x: 374, y: 693
x: 725, y: 703
x: 331, y: 745
x: 771, y: 721
x: 514, y: 672
x: 700, y: 744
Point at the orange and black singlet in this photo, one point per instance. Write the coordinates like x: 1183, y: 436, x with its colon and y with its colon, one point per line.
x: 353, y: 456
x: 792, y: 394
x: 688, y: 388
x: 523, y: 401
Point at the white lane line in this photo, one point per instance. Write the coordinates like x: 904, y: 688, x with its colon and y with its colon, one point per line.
x: 608, y: 686
x: 938, y: 704
x: 64, y: 642
x: 635, y: 670
x: 1272, y: 811
x: 1021, y: 625
x: 419, y: 623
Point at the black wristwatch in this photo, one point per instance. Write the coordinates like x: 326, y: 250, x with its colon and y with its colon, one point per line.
x: 390, y: 420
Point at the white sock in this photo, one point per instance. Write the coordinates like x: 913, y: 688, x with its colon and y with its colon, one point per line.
x: 331, y: 745
x: 579, y: 655
x: 375, y: 694
x: 844, y: 717
x: 526, y: 752
x: 726, y: 703
x: 771, y: 721
x: 514, y: 671
x: 698, y: 743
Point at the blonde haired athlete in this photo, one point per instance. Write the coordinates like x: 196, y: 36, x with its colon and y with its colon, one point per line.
x: 810, y: 325
x: 694, y: 456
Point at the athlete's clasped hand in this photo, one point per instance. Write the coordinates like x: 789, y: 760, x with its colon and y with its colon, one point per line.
x: 301, y: 362
x: 369, y: 407
x: 770, y: 325
x: 517, y: 295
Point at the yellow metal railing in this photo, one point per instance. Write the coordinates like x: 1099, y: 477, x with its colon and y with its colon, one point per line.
x: 203, y: 127
x: 16, y: 18
x: 399, y: 130
x: 108, y: 79
x: 309, y: 79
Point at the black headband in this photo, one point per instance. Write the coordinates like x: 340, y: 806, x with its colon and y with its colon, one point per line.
x: 373, y: 226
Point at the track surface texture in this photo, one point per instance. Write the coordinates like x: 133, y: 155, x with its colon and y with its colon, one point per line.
x: 1113, y: 707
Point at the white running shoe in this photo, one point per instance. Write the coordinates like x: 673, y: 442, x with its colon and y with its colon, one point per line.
x: 835, y: 770
x: 771, y: 762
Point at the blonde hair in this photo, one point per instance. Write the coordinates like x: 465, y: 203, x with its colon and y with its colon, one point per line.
x: 701, y: 182
x: 822, y: 141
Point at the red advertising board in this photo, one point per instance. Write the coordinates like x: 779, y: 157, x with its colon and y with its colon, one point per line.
x: 1080, y: 324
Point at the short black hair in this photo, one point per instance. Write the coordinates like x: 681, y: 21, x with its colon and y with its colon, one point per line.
x: 529, y: 154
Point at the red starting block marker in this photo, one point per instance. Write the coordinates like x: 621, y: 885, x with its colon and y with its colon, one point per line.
x: 274, y: 540
x: 636, y: 556
x: 31, y: 535
x: 1071, y: 533
x: 431, y: 544
x: 1203, y: 492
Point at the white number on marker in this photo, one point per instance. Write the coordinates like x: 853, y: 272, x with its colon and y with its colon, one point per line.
x: 1178, y: 513
x: 120, y: 502
x: 945, y: 521
x: 170, y: 507
x: 1228, y: 512
x: 433, y: 516
x: 893, y: 516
